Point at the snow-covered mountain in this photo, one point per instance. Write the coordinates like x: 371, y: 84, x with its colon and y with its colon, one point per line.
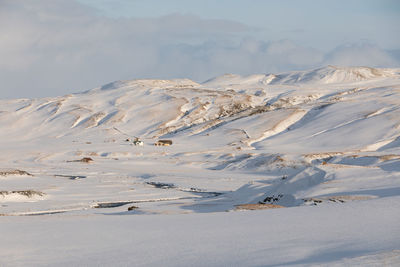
x: 320, y: 138
x: 338, y: 117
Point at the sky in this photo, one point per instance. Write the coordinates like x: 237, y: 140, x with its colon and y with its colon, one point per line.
x: 57, y: 47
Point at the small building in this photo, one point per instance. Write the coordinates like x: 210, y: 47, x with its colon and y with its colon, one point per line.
x: 163, y: 143
x: 137, y: 142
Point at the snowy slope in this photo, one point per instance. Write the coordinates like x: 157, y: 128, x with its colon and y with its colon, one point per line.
x: 313, y: 141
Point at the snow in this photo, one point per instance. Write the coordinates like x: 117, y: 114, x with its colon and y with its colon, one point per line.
x: 323, y: 144
x: 291, y: 237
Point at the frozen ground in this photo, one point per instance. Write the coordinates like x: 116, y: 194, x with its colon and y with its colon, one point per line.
x: 322, y: 147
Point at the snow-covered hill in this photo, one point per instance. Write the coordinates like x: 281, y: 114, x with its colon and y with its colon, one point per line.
x: 318, y: 139
x: 325, y: 75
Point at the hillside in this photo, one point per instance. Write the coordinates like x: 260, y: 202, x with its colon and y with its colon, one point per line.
x: 324, y: 139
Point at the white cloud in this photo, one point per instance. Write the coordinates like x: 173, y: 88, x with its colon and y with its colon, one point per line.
x: 360, y: 54
x: 53, y: 47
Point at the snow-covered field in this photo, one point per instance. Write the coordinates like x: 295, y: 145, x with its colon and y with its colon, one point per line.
x: 299, y: 168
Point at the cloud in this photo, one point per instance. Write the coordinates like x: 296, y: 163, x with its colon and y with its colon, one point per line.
x: 53, y: 47
x: 48, y: 47
x: 248, y: 56
x: 360, y: 54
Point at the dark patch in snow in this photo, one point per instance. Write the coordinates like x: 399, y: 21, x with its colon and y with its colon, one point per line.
x: 111, y: 204
x: 161, y: 185
x: 71, y: 177
x: 14, y: 172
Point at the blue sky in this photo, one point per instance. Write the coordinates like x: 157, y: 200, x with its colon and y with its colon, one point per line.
x: 55, y: 47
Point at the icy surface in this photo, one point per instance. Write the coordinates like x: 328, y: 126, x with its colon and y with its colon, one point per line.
x: 322, y: 147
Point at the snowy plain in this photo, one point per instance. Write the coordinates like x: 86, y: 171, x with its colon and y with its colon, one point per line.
x: 316, y: 153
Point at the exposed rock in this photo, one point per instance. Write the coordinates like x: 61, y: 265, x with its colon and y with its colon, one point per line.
x: 161, y: 185
x: 258, y: 206
x: 26, y: 193
x: 14, y: 172
x: 85, y: 160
